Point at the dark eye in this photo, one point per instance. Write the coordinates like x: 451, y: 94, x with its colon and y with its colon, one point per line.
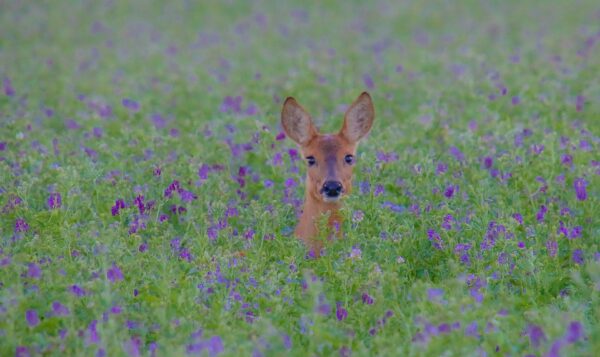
x: 311, y: 160
x: 349, y: 159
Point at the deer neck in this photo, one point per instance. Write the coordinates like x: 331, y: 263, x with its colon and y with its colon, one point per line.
x: 313, y: 209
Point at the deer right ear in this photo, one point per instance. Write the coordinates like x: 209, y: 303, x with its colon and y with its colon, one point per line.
x: 296, y: 122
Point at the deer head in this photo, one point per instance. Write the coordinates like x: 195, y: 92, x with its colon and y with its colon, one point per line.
x: 330, y: 158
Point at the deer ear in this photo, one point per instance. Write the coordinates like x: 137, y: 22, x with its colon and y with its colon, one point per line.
x: 296, y: 122
x: 358, y: 118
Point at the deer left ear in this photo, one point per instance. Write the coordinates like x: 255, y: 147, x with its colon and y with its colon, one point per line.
x: 358, y: 118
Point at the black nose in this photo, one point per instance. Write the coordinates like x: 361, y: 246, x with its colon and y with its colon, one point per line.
x: 332, y: 188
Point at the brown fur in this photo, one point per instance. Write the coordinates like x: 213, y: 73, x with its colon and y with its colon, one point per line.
x: 329, y: 151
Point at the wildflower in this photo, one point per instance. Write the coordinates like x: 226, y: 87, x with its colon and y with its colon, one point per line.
x: 472, y: 330
x: 488, y: 162
x: 580, y: 184
x: 21, y: 225
x: 368, y: 81
x: 114, y: 273
x: 552, y: 248
x: 537, y: 148
x: 541, y: 213
x: 119, y: 204
x: 32, y: 318
x: 578, y: 256
x: 92, y: 333
x: 449, y: 191
x: 518, y: 217
x: 441, y: 168
x: 367, y: 299
x: 358, y: 216
x: 290, y: 182
x: 34, y: 271
x: 447, y: 223
x: 566, y: 160
x: 458, y: 155
x: 341, y: 313
x: 574, y: 332
x: 77, y: 290
x: 435, y: 295
x: 435, y: 239
x: 55, y: 200
x: 131, y: 104
x: 60, y: 309
x: 355, y: 253
x: 536, y: 335
x: 9, y: 91
x: 139, y: 202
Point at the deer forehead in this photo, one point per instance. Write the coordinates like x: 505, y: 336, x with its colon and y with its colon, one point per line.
x: 329, y: 145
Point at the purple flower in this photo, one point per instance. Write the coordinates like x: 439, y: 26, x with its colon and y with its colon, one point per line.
x: 139, y: 202
x: 435, y: 239
x: 435, y: 294
x: 488, y: 162
x: 368, y: 81
x: 21, y: 225
x: 32, y: 318
x: 34, y: 271
x: 22, y: 351
x: 114, y: 274
x: 77, y: 290
x: 518, y: 217
x: 441, y: 168
x: 552, y: 247
x: 578, y: 256
x: 367, y: 299
x: 341, y: 313
x: 54, y: 201
x: 580, y: 184
x: 472, y: 330
x: 290, y: 182
x: 449, y: 192
x: 187, y: 196
x: 536, y: 335
x: 119, y: 204
x: 541, y: 213
x: 131, y: 104
x: 537, y: 148
x: 60, y: 309
x: 579, y: 102
x: 515, y: 100
x: 574, y: 332
x: 132, y: 347
x: 9, y: 91
x: 566, y: 160
x: 213, y: 346
x: 575, y: 232
x: 92, y: 333
x: 231, y: 104
x: 458, y: 155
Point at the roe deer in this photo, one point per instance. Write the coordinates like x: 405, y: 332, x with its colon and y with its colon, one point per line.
x: 330, y: 159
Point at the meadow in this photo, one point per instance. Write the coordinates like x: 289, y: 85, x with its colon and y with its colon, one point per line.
x: 148, y: 195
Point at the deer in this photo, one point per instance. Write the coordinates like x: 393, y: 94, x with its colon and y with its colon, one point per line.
x: 330, y: 160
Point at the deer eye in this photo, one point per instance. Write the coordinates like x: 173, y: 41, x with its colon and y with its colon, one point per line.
x: 311, y: 160
x: 349, y: 159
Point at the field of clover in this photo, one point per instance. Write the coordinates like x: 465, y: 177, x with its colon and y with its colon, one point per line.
x: 148, y: 195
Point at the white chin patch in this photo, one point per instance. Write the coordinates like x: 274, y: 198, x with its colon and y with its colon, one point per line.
x: 331, y: 199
